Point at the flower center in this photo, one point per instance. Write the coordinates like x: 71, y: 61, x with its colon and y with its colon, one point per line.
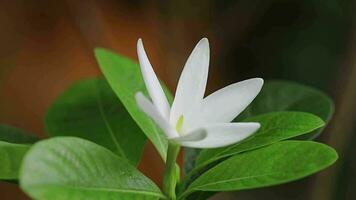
x: 179, y: 124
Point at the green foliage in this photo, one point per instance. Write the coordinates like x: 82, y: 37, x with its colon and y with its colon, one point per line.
x: 125, y: 78
x: 289, y: 96
x: 73, y: 168
x: 89, y: 109
x: 278, y: 163
x: 14, y: 143
x: 10, y: 159
x: 190, y: 156
x: 276, y: 96
x: 15, y: 135
x: 275, y: 127
x: 109, y: 134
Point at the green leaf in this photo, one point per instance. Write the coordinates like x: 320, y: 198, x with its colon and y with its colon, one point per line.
x: 15, y: 135
x: 189, y: 159
x: 278, y: 163
x: 89, y: 109
x: 190, y: 155
x: 73, y: 168
x: 125, y: 78
x: 274, y: 127
x: 10, y: 159
x: 14, y: 143
x: 289, y: 96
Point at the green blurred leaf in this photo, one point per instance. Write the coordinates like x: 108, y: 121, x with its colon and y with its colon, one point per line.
x: 289, y: 96
x: 73, y: 168
x: 15, y: 135
x: 278, y: 163
x: 275, y: 127
x: 14, y: 143
x: 189, y: 158
x: 125, y: 78
x: 89, y: 109
x: 10, y: 159
x: 190, y: 155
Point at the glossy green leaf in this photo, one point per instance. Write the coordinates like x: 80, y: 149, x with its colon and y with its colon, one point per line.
x: 89, y: 109
x: 278, y: 163
x: 15, y: 135
x: 73, y: 168
x: 125, y: 78
x: 288, y: 96
x: 10, y: 159
x: 275, y: 127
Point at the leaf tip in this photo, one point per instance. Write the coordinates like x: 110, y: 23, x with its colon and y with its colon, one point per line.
x: 99, y: 50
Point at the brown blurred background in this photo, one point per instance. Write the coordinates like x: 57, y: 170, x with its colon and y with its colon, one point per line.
x: 45, y: 45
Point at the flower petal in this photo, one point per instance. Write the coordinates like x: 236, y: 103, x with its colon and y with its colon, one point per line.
x: 225, y: 104
x: 197, y: 135
x: 153, y: 86
x: 147, y: 107
x: 192, y: 82
x: 219, y: 135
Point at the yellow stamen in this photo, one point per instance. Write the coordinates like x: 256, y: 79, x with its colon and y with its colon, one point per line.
x: 179, y: 124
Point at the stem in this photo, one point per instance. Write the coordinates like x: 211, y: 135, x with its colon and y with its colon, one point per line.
x: 171, y: 172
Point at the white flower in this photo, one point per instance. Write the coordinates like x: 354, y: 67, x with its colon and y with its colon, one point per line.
x: 195, y: 121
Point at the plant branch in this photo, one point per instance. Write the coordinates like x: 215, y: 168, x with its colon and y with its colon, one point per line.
x: 171, y: 172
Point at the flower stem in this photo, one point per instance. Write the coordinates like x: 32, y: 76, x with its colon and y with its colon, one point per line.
x: 171, y: 172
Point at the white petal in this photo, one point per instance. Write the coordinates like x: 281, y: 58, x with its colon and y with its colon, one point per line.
x: 225, y: 104
x: 147, y: 107
x: 192, y: 82
x: 191, y: 137
x: 153, y: 86
x: 219, y: 135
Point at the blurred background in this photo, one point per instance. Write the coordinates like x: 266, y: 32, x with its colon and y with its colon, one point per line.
x: 46, y: 45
